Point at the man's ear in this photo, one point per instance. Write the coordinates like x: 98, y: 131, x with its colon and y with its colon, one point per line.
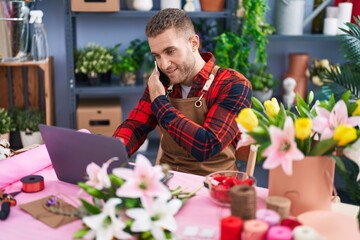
x: 195, y: 42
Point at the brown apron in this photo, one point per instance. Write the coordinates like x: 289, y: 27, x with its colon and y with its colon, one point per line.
x: 178, y: 158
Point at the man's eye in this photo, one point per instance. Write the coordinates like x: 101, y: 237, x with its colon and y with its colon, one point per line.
x: 170, y: 52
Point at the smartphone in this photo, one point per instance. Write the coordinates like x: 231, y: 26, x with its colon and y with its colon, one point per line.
x: 163, y: 78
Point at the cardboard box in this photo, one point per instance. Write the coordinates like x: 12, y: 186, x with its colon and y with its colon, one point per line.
x: 99, y: 116
x: 95, y: 5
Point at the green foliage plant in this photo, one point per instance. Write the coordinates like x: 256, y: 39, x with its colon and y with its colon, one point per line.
x: 6, y: 125
x: 29, y: 119
x: 233, y: 50
x: 93, y: 59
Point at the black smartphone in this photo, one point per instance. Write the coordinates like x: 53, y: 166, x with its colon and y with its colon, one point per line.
x: 163, y: 78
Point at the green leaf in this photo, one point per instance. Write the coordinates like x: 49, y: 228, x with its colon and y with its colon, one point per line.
x: 79, y: 234
x: 92, y: 209
x: 323, y: 147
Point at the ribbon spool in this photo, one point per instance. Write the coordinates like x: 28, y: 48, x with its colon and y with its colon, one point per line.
x: 32, y: 183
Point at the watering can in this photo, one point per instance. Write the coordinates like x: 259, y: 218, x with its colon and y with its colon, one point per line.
x: 289, y: 19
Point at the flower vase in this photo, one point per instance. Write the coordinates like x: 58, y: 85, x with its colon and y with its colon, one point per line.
x: 212, y: 6
x: 310, y: 187
x: 170, y: 4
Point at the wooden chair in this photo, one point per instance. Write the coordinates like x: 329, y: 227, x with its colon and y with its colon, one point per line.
x: 248, y: 155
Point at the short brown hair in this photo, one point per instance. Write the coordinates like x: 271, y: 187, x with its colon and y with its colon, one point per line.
x: 168, y: 18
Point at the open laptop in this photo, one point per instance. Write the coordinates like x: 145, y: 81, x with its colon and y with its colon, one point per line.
x: 71, y: 151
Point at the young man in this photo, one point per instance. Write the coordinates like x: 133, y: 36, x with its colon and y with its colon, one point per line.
x: 196, y: 107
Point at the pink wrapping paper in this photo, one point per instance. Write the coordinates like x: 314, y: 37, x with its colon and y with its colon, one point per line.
x: 14, y: 168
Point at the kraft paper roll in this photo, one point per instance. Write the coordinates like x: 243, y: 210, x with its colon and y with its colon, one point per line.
x: 255, y: 230
x: 32, y: 183
x: 330, y: 26
x: 281, y: 205
x: 279, y: 233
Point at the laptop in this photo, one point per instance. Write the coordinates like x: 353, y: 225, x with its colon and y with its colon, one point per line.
x: 71, y: 151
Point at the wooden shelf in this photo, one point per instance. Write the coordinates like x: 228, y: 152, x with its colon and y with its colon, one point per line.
x: 305, y: 37
x: 23, y: 86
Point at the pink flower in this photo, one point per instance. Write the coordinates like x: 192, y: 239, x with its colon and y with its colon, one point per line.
x: 283, y: 149
x: 245, y: 139
x: 325, y: 122
x: 144, y: 182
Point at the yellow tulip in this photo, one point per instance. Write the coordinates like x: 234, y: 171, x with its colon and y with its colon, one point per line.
x: 344, y: 134
x: 357, y: 110
x: 272, y: 107
x: 303, y: 128
x: 247, y: 119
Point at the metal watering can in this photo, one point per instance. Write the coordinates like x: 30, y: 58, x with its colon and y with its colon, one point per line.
x: 289, y: 18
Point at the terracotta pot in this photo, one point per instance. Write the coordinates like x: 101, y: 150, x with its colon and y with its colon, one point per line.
x: 212, y: 5
x: 310, y: 187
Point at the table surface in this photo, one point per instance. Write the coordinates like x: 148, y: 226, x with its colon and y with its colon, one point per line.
x: 199, y: 211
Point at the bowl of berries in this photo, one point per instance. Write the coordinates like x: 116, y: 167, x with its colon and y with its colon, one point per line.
x: 219, y: 184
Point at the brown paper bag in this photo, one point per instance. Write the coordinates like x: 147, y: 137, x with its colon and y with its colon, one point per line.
x: 38, y: 210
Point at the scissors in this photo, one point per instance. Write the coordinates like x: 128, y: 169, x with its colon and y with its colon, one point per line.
x: 7, y: 200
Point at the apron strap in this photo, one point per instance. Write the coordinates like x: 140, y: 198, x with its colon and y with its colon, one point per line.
x: 207, y: 85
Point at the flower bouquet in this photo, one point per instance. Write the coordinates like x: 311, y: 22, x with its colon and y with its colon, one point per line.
x: 320, y: 129
x: 129, y: 204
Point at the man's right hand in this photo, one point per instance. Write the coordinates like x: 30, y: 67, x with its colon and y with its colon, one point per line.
x: 156, y: 88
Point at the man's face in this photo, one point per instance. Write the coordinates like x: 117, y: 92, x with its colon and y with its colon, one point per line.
x: 174, y: 54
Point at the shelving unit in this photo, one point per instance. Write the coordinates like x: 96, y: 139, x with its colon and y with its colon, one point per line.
x: 80, y: 90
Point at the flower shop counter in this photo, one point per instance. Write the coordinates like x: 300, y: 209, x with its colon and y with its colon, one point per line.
x: 199, y: 212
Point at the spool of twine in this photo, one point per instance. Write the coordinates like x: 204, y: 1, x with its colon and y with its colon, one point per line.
x: 255, y: 230
x: 281, y: 205
x: 243, y: 201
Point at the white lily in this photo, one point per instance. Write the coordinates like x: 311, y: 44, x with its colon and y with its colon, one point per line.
x: 143, y: 182
x: 106, y: 224
x: 98, y: 176
x: 158, y: 217
x: 353, y: 152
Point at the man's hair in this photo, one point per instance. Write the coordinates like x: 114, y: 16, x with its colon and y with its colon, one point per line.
x: 168, y: 18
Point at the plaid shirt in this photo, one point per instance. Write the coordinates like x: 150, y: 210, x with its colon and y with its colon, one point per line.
x: 228, y: 94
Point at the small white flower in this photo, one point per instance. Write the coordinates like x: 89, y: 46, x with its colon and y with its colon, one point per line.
x: 156, y: 218
x: 106, y: 224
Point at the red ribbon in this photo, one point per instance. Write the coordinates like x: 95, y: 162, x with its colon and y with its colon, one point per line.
x: 32, y: 183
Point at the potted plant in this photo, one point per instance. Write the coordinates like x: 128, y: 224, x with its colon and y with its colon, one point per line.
x: 5, y: 124
x: 253, y: 37
x: 27, y: 121
x: 93, y: 60
x: 127, y: 64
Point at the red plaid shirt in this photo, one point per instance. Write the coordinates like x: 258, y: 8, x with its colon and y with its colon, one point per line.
x: 228, y: 94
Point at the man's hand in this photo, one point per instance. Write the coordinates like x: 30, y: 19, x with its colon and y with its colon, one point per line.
x: 155, y: 86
